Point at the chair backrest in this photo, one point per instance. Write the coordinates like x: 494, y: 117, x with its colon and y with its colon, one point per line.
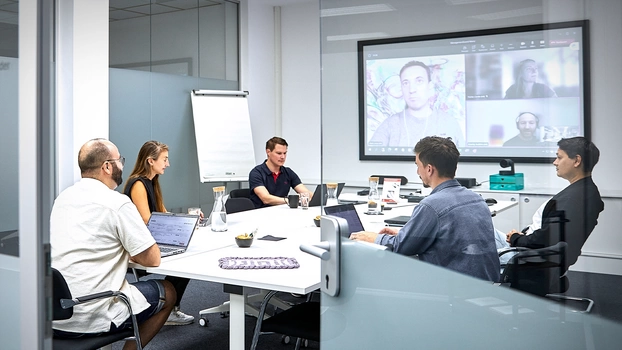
x: 403, y: 179
x: 60, y: 290
x: 234, y: 205
x: 538, y: 271
x: 240, y: 193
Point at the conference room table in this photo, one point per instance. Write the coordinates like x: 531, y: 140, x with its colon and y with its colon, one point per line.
x: 295, y: 225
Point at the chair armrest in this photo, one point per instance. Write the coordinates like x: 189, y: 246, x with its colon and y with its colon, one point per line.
x: 68, y: 303
x: 514, y: 249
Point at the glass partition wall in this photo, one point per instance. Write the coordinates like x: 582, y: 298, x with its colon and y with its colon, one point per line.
x: 388, y: 300
x: 159, y: 52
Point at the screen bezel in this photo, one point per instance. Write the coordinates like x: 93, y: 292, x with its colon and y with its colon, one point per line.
x: 585, y: 81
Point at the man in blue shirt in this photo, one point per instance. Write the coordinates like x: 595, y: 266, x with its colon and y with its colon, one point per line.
x: 452, y: 227
x: 270, y: 181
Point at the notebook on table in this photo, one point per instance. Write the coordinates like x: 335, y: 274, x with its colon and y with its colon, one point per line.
x: 347, y: 212
x: 172, y: 231
x: 318, y: 199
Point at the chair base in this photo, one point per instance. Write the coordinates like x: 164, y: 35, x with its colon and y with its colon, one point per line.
x: 561, y: 297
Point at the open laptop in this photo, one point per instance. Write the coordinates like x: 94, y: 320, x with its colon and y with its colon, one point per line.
x: 318, y: 199
x: 347, y: 212
x: 172, y: 231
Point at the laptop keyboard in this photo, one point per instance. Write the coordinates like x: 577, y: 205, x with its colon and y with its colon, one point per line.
x: 164, y: 250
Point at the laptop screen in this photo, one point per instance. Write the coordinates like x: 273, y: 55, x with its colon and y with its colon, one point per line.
x: 317, y: 199
x: 347, y: 212
x: 172, y: 228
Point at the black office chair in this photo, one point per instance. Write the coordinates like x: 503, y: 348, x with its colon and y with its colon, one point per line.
x: 240, y: 193
x: 62, y: 309
x: 301, y: 321
x: 541, y: 272
x: 234, y: 205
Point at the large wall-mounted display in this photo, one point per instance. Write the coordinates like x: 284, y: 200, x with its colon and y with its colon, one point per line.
x: 498, y: 93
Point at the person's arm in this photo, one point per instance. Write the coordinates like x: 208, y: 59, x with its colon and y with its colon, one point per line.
x: 302, y: 189
x: 140, y: 199
x: 267, y: 198
x: 149, y: 257
x: 418, y: 235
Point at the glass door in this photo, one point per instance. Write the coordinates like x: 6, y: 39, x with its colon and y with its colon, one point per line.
x: 389, y: 301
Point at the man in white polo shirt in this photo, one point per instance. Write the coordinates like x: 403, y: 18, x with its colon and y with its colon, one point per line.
x: 94, y: 231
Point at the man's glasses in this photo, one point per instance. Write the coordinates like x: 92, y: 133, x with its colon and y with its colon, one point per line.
x: 121, y: 160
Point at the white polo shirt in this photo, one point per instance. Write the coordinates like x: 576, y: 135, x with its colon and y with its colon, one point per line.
x: 93, y: 232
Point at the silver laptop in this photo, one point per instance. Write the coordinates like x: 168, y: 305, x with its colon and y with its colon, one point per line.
x: 172, y: 231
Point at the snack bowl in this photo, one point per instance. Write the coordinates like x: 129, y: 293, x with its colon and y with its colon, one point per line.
x: 244, y: 241
x: 316, y: 220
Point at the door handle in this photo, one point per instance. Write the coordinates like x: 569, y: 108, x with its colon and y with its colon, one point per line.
x: 320, y: 250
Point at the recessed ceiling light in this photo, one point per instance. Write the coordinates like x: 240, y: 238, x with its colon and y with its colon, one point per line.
x: 356, y: 10
x: 527, y: 11
x: 357, y: 36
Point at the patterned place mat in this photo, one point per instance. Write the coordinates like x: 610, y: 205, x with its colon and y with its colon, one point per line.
x: 247, y: 263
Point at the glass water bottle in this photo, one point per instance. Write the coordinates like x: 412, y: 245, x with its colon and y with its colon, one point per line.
x: 331, y: 188
x: 373, y: 202
x: 219, y: 215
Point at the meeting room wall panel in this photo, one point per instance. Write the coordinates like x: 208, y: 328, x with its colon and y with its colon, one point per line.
x: 164, y: 57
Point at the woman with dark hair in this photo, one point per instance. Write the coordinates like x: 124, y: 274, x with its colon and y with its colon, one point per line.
x: 143, y: 188
x: 526, y: 85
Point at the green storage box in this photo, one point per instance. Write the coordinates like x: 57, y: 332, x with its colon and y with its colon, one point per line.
x: 507, y: 182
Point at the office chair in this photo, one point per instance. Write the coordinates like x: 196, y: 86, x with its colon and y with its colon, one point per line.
x: 540, y: 272
x: 301, y: 321
x: 240, y: 193
x: 234, y: 205
x: 62, y: 309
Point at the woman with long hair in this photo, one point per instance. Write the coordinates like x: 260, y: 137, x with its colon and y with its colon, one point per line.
x: 143, y: 188
x: 526, y: 85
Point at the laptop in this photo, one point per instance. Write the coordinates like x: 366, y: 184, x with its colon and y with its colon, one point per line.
x: 398, y: 220
x: 347, y: 212
x: 172, y: 231
x: 317, y: 199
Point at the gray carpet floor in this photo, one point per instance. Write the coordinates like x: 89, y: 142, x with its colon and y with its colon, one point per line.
x: 604, y: 289
x: 201, y: 295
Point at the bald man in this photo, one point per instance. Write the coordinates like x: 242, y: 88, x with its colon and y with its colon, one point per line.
x: 94, y: 232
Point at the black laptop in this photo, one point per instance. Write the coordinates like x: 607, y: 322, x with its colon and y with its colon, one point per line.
x: 398, y: 220
x: 318, y: 199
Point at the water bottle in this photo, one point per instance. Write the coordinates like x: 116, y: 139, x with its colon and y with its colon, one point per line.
x: 373, y: 201
x: 219, y: 215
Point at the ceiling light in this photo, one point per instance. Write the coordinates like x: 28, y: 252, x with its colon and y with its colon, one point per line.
x: 528, y: 11
x: 356, y: 10
x: 357, y: 36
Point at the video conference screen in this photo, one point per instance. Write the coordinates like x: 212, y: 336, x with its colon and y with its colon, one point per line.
x: 500, y: 93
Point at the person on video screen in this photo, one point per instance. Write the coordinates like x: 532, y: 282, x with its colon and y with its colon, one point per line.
x: 526, y: 85
x: 417, y: 120
x: 527, y: 124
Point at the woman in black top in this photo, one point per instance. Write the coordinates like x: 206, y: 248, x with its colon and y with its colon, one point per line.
x: 143, y: 188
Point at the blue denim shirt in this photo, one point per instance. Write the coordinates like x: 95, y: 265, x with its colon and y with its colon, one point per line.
x: 453, y: 228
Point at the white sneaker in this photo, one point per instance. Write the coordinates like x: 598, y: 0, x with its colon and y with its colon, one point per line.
x: 178, y: 318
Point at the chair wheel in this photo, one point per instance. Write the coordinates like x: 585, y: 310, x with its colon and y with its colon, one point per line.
x: 203, y: 322
x: 224, y: 314
x: 305, y: 343
x: 285, y: 339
